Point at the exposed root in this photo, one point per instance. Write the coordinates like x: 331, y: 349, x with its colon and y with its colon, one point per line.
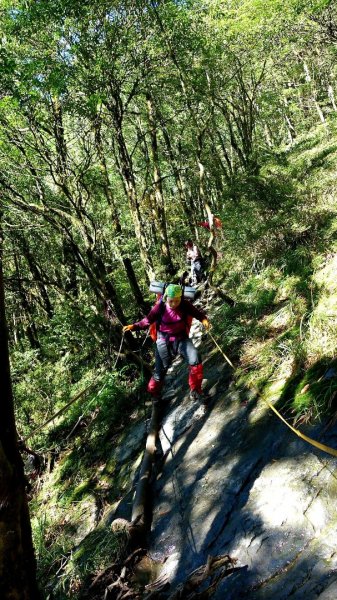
x: 216, y: 568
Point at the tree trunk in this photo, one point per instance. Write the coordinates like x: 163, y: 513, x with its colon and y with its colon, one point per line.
x: 37, y: 275
x: 211, y: 249
x: 290, y: 127
x: 31, y: 331
x: 199, y: 129
x: 102, y: 284
x: 206, y: 208
x: 129, y: 270
x: 140, y: 522
x: 331, y: 96
x: 184, y: 200
x: 141, y: 510
x: 71, y: 272
x: 165, y: 258
x: 138, y: 296
x: 17, y: 560
x: 227, y: 172
x: 126, y: 171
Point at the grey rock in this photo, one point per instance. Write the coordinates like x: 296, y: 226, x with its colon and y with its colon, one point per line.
x: 236, y: 480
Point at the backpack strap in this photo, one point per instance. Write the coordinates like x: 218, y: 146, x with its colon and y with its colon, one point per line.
x: 154, y: 327
x: 161, y: 311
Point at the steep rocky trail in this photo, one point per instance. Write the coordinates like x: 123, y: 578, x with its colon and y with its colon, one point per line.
x: 233, y: 479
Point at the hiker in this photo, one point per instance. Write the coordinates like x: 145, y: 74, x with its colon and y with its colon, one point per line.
x: 217, y: 224
x: 173, y: 315
x: 195, y: 259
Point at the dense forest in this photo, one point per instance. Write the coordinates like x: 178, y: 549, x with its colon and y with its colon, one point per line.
x: 123, y: 125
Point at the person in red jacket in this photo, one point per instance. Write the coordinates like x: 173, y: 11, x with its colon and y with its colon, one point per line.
x: 173, y: 315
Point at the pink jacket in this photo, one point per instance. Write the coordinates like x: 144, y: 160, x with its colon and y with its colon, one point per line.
x: 173, y: 322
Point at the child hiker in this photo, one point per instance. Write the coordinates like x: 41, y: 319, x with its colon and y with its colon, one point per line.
x: 173, y: 316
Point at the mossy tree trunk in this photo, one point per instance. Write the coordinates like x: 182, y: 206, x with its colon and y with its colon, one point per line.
x: 138, y: 528
x: 128, y: 266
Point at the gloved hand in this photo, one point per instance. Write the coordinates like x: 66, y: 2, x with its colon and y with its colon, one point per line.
x: 128, y: 328
x: 206, y: 324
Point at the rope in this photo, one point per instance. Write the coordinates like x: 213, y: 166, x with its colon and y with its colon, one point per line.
x: 220, y: 349
x: 77, y: 397
x: 63, y: 409
x: 119, y: 351
x: 301, y: 435
x: 323, y: 447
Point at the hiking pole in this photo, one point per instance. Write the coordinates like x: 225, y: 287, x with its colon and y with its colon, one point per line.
x: 119, y: 351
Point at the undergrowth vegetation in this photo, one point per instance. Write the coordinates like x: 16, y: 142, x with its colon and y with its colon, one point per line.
x: 282, y: 331
x: 82, y: 480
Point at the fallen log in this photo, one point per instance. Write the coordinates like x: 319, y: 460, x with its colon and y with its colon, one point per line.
x: 141, y: 510
x: 140, y: 522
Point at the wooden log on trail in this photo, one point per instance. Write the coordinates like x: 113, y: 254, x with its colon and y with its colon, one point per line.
x: 141, y: 511
x: 140, y: 522
x: 135, y: 531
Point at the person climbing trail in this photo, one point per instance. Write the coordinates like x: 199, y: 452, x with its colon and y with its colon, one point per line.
x: 195, y: 259
x: 172, y: 316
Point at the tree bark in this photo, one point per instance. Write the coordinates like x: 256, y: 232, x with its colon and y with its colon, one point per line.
x: 126, y: 170
x: 290, y: 126
x: 129, y: 270
x: 211, y: 249
x: 166, y: 258
x: 37, y: 275
x: 31, y: 330
x: 17, y: 560
x: 331, y: 97
x: 69, y: 262
x: 140, y: 522
x: 185, y: 201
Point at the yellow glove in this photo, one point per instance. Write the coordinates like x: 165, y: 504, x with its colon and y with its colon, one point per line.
x: 128, y: 328
x: 206, y: 324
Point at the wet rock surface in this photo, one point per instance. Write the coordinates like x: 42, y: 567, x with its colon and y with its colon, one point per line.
x: 234, y: 479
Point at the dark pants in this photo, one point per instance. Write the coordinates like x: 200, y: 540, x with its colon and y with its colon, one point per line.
x: 166, y: 352
x: 197, y: 266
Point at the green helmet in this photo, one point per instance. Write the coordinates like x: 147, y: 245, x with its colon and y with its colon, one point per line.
x: 173, y: 291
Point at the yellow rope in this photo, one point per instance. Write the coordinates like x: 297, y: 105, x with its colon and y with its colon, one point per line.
x: 323, y: 447
x: 300, y: 434
x: 220, y: 349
